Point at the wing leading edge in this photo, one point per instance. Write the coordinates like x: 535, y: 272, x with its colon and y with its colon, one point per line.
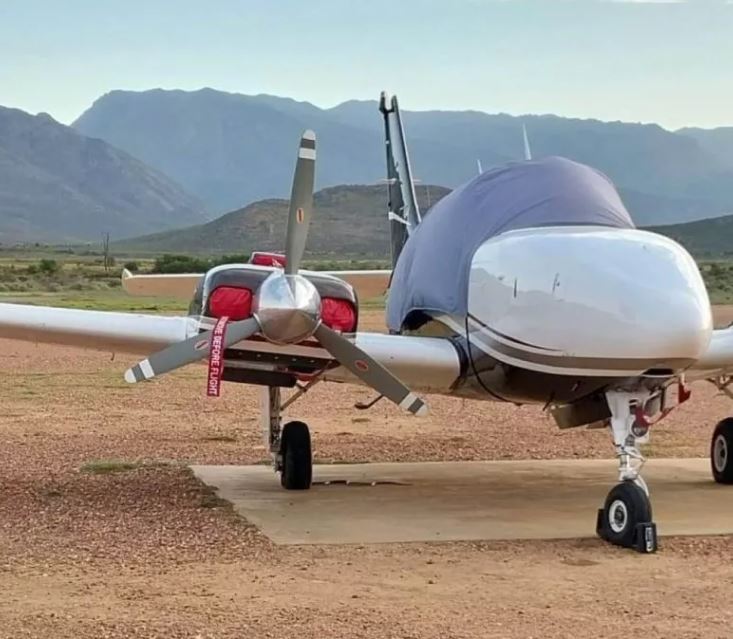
x: 426, y: 363
x: 100, y: 330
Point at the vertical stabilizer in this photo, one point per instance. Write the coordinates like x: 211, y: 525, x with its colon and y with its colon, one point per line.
x: 404, y: 213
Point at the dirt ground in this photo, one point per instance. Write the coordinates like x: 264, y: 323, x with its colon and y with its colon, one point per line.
x: 149, y: 552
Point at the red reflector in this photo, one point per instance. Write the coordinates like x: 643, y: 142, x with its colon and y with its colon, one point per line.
x: 340, y: 315
x: 267, y: 259
x: 234, y: 303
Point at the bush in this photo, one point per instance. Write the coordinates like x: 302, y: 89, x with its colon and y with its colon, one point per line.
x: 133, y: 267
x: 48, y: 267
x: 242, y: 258
x: 180, y: 264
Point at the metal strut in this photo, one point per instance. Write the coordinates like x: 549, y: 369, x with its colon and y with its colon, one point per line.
x: 630, y: 459
x: 723, y: 384
x: 271, y: 410
x: 271, y: 419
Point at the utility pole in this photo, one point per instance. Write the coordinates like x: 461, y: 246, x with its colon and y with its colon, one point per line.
x: 105, y: 247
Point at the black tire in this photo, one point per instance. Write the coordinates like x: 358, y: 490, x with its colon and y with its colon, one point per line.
x: 721, y: 452
x: 625, y: 507
x: 297, y: 460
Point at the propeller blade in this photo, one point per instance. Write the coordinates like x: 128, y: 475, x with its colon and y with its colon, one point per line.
x: 301, y: 203
x: 527, y: 150
x: 370, y: 371
x: 188, y: 351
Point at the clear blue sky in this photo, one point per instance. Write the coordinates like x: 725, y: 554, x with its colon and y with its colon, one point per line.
x: 667, y: 62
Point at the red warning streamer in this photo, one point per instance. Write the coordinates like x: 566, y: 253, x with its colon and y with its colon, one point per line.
x: 216, y: 357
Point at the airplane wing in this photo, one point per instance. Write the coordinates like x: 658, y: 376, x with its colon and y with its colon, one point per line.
x: 100, y: 330
x: 366, y: 283
x: 718, y: 360
x: 181, y: 286
x: 425, y: 363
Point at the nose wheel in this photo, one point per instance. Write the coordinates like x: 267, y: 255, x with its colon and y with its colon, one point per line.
x: 626, y: 518
x: 289, y: 445
x: 297, y: 460
x: 721, y: 452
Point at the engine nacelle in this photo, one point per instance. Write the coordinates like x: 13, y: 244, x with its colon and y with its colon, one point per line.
x: 233, y: 290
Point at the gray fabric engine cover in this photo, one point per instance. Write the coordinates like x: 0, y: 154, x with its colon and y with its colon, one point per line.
x: 433, y: 269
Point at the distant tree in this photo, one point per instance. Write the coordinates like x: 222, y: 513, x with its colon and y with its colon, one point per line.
x: 48, y: 267
x: 133, y: 266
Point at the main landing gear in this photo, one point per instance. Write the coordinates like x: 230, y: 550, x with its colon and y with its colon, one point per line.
x: 626, y: 516
x: 289, y: 445
x: 721, y: 452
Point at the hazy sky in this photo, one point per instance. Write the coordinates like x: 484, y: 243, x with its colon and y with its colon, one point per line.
x: 668, y: 62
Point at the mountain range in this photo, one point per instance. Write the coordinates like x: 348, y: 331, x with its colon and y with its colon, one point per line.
x: 57, y: 185
x: 232, y: 149
x: 351, y: 222
x: 137, y: 163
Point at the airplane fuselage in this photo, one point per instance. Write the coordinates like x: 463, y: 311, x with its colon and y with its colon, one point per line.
x: 556, y: 313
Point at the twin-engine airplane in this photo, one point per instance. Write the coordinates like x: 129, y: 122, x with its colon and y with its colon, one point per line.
x: 528, y: 284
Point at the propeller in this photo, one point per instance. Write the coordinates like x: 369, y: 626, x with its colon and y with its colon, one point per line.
x: 301, y: 203
x: 189, y: 351
x: 288, y: 308
x: 369, y: 370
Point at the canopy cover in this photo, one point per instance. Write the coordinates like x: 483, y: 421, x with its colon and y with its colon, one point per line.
x: 433, y: 269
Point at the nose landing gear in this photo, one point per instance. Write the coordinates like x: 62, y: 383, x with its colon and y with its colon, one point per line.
x: 626, y: 516
x: 289, y: 445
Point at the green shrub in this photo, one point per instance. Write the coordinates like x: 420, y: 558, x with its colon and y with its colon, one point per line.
x: 180, y: 264
x: 242, y: 258
x: 133, y: 267
x: 48, y: 267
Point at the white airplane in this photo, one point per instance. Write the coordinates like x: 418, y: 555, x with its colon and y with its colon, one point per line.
x: 528, y: 284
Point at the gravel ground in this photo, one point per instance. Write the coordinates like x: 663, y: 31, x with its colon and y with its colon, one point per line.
x: 147, y: 551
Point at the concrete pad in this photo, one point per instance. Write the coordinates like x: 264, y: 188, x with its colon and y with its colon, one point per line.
x: 466, y: 500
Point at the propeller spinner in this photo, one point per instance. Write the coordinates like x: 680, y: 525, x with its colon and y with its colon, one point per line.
x: 288, y: 308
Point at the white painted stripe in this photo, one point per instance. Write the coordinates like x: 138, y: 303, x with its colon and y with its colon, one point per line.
x: 147, y: 369
x: 307, y: 154
x: 477, y: 341
x: 408, y: 401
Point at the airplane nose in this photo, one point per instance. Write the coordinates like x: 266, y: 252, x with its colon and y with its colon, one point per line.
x: 592, y: 301
x: 659, y: 299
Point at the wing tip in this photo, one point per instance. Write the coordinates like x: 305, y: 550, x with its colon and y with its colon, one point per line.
x: 130, y: 376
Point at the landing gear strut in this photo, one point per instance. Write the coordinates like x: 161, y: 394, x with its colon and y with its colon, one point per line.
x: 626, y: 516
x: 289, y: 445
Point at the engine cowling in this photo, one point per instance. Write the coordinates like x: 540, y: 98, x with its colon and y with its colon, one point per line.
x: 232, y: 290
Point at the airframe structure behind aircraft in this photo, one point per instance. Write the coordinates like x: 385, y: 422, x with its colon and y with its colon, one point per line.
x: 528, y: 284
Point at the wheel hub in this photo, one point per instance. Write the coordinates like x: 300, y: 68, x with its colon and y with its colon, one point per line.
x: 720, y: 453
x: 618, y: 516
